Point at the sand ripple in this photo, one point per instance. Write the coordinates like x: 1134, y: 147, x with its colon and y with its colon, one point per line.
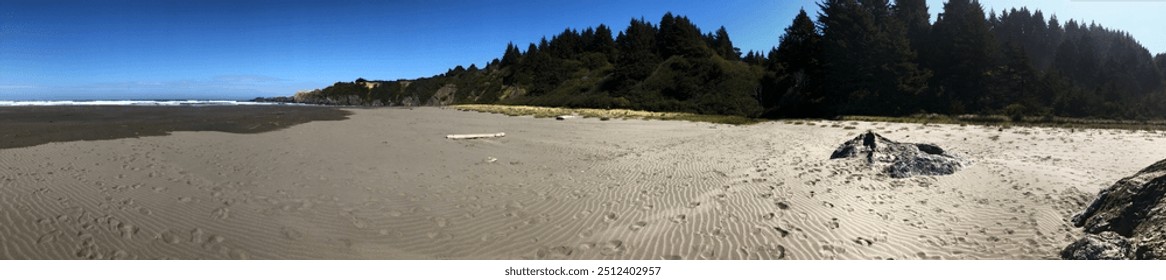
x: 386, y: 185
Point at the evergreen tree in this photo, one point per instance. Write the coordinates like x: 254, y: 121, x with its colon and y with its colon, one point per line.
x: 678, y: 36
x: 603, y: 43
x: 968, y: 55
x: 754, y: 58
x: 636, y: 58
x: 868, y: 65
x: 914, y: 16
x: 1160, y: 61
x: 567, y: 45
x: 859, y: 58
x: 511, y: 56
x: 724, y: 46
x: 1019, y: 85
x: 793, y: 85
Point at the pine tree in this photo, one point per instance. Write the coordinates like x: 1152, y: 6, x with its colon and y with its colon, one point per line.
x: 678, y: 36
x: 754, y: 58
x: 724, y: 46
x: 868, y: 65
x: 511, y: 56
x: 636, y: 58
x: 914, y: 16
x: 1160, y: 61
x: 603, y: 43
x: 794, y: 86
x: 969, y: 54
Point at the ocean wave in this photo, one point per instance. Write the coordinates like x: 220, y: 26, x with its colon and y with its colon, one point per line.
x: 136, y: 103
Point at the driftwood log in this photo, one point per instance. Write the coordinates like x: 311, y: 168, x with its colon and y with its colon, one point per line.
x: 474, y: 136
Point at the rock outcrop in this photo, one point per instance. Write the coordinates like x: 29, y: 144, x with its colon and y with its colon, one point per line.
x: 277, y: 99
x: 1130, y: 214
x: 899, y: 160
x: 1104, y: 246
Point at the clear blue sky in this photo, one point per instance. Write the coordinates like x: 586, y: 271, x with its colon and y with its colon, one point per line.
x: 245, y: 48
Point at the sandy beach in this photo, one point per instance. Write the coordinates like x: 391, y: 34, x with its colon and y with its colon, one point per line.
x: 387, y: 184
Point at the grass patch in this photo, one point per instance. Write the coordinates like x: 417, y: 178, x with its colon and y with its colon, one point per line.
x: 602, y: 114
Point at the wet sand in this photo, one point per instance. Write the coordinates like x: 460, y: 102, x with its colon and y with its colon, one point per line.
x: 35, y: 125
x: 386, y: 184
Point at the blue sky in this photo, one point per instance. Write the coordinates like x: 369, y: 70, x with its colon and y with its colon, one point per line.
x: 240, y: 49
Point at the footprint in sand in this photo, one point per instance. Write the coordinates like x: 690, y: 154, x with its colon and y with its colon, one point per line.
x: 679, y: 219
x: 127, y: 231
x: 240, y: 254
x: 637, y: 226
x: 672, y: 257
x: 833, y: 223
x: 119, y: 255
x: 586, y: 246
x: 221, y: 213
x: 827, y: 249
x: 88, y: 253
x: 610, y: 217
x: 196, y: 235
x: 357, y: 222
x: 781, y: 231
x: 169, y: 237
x: 863, y: 241
x: 705, y: 252
x: 612, y: 248
x: 48, y: 237
x: 924, y: 256
x: 214, y: 242
x: 291, y: 233
x: 441, y: 222
x: 554, y: 253
x: 782, y: 205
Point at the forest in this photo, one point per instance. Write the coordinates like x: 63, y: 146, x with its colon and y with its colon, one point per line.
x: 858, y: 57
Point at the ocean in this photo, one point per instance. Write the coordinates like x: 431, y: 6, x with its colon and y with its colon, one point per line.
x: 11, y: 103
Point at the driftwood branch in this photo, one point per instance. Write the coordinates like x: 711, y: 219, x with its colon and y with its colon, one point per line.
x: 474, y: 136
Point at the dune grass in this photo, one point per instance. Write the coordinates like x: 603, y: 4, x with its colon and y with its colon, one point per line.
x: 1005, y: 121
x: 602, y: 114
x: 989, y: 120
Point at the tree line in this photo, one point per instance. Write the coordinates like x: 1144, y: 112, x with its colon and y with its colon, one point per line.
x: 859, y: 57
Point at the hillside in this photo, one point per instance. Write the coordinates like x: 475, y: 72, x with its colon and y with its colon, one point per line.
x: 856, y: 58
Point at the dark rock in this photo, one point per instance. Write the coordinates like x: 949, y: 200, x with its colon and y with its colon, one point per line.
x: 1104, y: 246
x: 1131, y: 208
x: 899, y: 160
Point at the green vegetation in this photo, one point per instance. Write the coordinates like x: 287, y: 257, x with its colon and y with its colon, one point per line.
x: 858, y: 57
x: 602, y: 114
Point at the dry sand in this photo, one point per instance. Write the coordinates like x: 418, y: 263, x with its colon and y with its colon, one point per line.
x: 386, y: 184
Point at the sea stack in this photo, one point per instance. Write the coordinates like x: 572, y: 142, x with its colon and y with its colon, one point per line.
x: 1125, y: 221
x: 899, y: 160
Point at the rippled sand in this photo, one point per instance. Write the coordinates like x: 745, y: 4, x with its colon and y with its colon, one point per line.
x: 386, y: 184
